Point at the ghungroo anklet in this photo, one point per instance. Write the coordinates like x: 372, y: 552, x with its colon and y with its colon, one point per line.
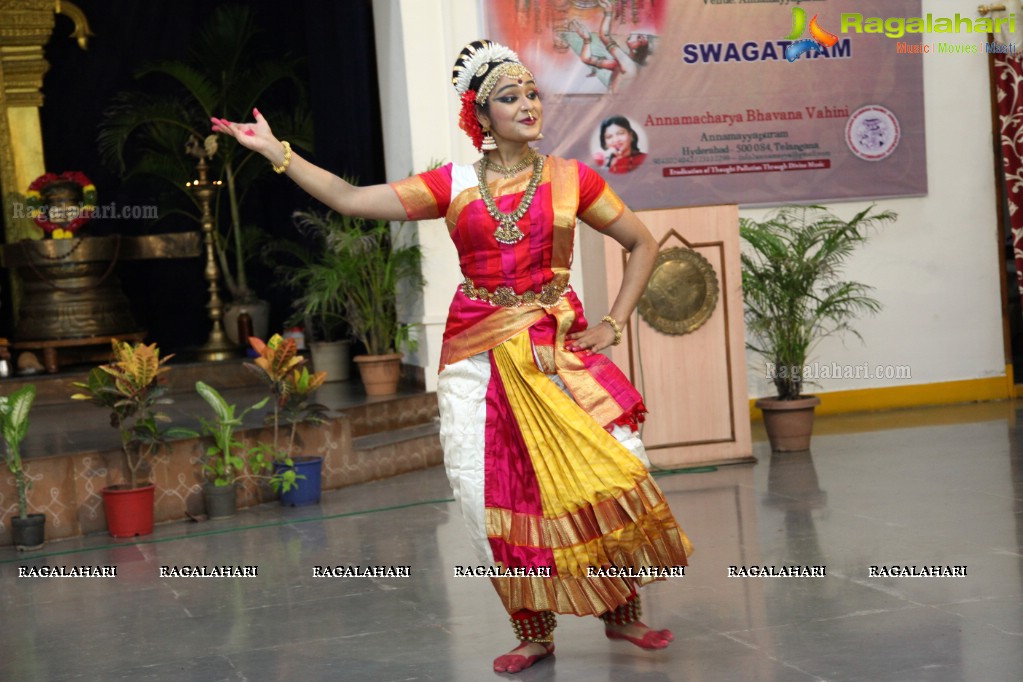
x: 628, y: 613
x: 530, y: 626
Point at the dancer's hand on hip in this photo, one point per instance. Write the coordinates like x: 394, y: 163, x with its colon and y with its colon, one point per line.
x: 594, y: 338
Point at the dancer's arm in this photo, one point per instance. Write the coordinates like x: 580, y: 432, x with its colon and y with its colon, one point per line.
x: 632, y: 234
x: 372, y: 201
x: 605, y: 23
x: 620, y: 57
x: 586, y: 54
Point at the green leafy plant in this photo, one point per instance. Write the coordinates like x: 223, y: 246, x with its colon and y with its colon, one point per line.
x: 792, y: 288
x: 133, y: 387
x: 358, y: 276
x: 14, y: 411
x: 317, y: 274
x: 231, y: 67
x: 291, y: 385
x: 224, y: 462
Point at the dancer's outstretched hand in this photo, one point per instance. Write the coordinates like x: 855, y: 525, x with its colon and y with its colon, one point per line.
x: 255, y: 136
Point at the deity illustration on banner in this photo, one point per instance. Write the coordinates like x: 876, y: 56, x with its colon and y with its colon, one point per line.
x: 580, y: 47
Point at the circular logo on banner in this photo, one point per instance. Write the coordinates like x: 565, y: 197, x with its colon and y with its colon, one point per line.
x: 872, y: 132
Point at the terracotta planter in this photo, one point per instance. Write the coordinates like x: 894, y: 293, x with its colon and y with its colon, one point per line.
x: 789, y: 423
x: 380, y: 373
x: 129, y: 511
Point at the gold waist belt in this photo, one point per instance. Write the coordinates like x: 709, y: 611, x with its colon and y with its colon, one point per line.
x: 549, y: 294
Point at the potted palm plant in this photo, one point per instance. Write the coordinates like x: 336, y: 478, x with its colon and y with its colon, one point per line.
x: 133, y: 387
x: 146, y: 132
x: 224, y: 461
x: 27, y: 530
x: 291, y: 386
x: 316, y: 272
x: 794, y: 296
x: 373, y: 267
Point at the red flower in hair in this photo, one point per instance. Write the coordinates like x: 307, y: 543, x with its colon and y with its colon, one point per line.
x: 467, y: 120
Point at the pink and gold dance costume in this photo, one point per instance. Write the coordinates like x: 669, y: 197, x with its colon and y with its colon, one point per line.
x: 539, y: 442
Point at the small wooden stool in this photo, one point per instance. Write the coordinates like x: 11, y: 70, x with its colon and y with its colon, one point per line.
x: 51, y: 348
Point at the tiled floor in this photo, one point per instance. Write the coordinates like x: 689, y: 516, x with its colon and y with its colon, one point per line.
x: 925, y: 487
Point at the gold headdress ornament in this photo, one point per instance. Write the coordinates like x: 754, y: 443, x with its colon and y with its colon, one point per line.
x: 481, y: 64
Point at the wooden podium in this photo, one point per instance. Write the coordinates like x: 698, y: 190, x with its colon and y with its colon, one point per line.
x: 694, y: 383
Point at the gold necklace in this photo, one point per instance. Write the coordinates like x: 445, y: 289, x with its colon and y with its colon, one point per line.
x: 509, y: 171
x: 507, y: 231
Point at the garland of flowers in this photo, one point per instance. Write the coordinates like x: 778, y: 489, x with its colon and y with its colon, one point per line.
x: 468, y: 121
x: 41, y: 214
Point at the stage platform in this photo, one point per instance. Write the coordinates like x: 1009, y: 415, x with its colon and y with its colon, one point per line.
x: 72, y: 452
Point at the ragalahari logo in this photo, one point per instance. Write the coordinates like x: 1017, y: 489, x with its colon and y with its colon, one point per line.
x: 819, y: 41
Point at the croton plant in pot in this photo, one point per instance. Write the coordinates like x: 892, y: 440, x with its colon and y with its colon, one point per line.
x: 291, y: 386
x: 132, y: 386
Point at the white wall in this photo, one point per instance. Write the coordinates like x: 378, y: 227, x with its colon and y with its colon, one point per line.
x: 936, y: 270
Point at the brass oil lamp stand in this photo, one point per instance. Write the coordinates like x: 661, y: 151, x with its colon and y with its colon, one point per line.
x: 218, y: 346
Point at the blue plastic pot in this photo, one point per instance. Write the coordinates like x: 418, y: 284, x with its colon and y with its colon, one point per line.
x: 308, y: 488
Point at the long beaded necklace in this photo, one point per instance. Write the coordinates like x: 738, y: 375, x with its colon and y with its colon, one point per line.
x: 507, y: 231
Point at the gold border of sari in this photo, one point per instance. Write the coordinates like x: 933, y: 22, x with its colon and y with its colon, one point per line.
x: 600, y: 505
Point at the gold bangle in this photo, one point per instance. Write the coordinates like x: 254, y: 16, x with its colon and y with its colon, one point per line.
x: 287, y: 158
x: 614, y: 325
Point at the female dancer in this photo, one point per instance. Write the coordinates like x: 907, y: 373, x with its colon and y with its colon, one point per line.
x: 537, y: 429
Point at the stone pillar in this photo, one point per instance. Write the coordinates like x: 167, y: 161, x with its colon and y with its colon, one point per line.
x: 25, y: 27
x: 417, y: 41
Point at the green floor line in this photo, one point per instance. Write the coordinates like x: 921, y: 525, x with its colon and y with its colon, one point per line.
x: 220, y: 531
x: 657, y: 473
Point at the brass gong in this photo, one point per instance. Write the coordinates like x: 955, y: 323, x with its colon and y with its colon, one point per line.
x: 681, y: 294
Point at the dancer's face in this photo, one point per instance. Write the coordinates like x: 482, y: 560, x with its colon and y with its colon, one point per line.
x: 515, y: 110
x: 618, y: 140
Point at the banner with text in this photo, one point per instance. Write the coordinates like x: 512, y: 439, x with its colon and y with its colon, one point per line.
x: 721, y: 101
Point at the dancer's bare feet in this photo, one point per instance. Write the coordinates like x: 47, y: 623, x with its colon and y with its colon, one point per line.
x: 639, y: 634
x: 522, y: 656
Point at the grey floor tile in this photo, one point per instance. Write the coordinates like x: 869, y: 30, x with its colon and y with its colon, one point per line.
x: 922, y: 487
